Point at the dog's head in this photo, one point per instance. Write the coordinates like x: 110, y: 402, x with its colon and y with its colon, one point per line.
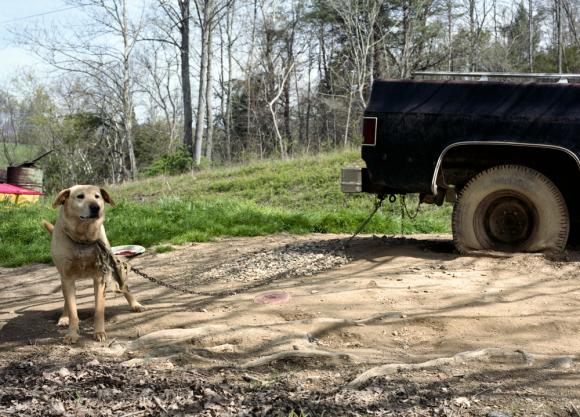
x: 83, y: 203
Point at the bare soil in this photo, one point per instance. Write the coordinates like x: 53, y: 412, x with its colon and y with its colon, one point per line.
x: 389, y: 327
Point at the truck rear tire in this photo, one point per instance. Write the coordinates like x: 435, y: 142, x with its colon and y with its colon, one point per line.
x: 510, y: 208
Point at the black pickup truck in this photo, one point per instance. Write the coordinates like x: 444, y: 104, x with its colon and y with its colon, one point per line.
x: 506, y: 153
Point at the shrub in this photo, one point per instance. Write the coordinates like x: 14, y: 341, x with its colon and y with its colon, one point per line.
x: 173, y: 163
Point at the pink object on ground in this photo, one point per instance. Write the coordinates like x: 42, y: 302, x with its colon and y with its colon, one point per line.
x: 14, y: 189
x: 272, y: 297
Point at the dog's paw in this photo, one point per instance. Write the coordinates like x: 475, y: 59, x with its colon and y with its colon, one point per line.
x: 71, y: 338
x: 63, y: 321
x: 137, y: 308
x: 100, y: 336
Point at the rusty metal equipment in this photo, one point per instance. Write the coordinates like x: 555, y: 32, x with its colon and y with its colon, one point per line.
x: 26, y: 174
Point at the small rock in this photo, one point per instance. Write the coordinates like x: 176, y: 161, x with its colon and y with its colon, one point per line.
x: 94, y: 362
x: 57, y: 408
x: 100, y: 394
x: 462, y: 402
x: 63, y: 372
x: 563, y: 362
x: 497, y: 414
x: 314, y: 292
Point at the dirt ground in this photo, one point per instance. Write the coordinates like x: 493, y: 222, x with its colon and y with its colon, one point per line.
x: 391, y: 326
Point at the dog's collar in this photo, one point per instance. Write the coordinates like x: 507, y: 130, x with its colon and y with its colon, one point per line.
x: 78, y: 241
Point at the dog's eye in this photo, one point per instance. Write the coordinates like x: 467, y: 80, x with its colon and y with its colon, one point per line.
x: 80, y: 196
x: 97, y: 196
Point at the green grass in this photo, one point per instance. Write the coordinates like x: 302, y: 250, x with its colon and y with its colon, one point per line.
x: 298, y: 196
x: 163, y: 249
x: 18, y: 154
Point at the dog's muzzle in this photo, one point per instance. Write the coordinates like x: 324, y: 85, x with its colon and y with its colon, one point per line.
x: 94, y: 212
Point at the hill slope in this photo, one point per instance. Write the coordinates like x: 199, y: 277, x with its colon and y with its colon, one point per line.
x: 298, y: 196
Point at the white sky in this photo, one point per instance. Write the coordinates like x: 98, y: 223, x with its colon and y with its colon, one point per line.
x: 15, y: 14
x: 20, y: 13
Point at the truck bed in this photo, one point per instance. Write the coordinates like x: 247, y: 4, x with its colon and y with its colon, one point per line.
x: 418, y: 120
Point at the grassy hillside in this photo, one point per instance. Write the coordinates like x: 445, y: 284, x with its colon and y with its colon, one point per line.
x: 298, y: 196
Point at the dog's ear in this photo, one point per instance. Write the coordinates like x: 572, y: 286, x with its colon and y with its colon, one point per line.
x: 107, y: 197
x: 61, y: 198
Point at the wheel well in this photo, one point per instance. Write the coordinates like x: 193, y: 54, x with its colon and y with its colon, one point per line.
x: 459, y: 164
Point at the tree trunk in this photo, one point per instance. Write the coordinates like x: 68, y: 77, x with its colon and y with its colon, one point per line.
x: 407, y: 40
x: 127, y: 95
x: 185, y: 77
x: 201, y: 103
x: 286, y: 95
x: 228, y: 123
x: 559, y: 31
x: 249, y: 72
x: 308, y: 106
x: 281, y: 144
x: 531, y: 35
x: 472, y: 42
x: 348, y: 110
x: 209, y: 95
x: 449, y: 35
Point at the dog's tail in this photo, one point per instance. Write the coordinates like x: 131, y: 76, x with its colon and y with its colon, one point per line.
x: 48, y: 226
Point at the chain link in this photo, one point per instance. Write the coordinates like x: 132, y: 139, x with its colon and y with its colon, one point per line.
x: 405, y: 211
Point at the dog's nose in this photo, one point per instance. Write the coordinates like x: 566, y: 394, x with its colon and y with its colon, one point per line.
x: 94, y: 209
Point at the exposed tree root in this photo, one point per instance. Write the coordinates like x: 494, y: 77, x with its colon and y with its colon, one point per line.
x: 306, y: 354
x: 267, y: 343
x: 496, y: 354
x: 173, y: 336
x: 283, y: 330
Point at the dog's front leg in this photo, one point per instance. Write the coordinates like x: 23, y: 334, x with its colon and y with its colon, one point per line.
x: 100, y: 290
x: 136, y: 306
x: 63, y: 319
x: 70, y: 306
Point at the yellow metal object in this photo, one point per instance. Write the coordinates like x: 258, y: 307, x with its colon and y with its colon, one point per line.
x: 19, y: 198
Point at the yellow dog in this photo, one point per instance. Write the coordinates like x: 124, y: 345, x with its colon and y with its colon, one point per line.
x: 75, y: 254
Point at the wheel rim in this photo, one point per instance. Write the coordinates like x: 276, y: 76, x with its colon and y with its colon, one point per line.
x: 505, y: 220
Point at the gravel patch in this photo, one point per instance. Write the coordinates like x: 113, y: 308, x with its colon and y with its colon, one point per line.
x: 297, y: 259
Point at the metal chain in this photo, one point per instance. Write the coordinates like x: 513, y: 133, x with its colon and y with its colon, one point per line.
x: 378, y: 204
x: 224, y: 293
x: 269, y: 280
x: 405, y: 210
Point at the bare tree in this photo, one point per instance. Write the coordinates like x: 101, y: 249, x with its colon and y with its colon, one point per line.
x: 359, y: 18
x: 271, y: 103
x: 158, y: 63
x: 531, y: 34
x: 107, y: 68
x: 209, y: 97
x: 477, y: 12
x: 208, y: 12
x: 227, y: 39
x: 179, y: 17
x: 559, y: 32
